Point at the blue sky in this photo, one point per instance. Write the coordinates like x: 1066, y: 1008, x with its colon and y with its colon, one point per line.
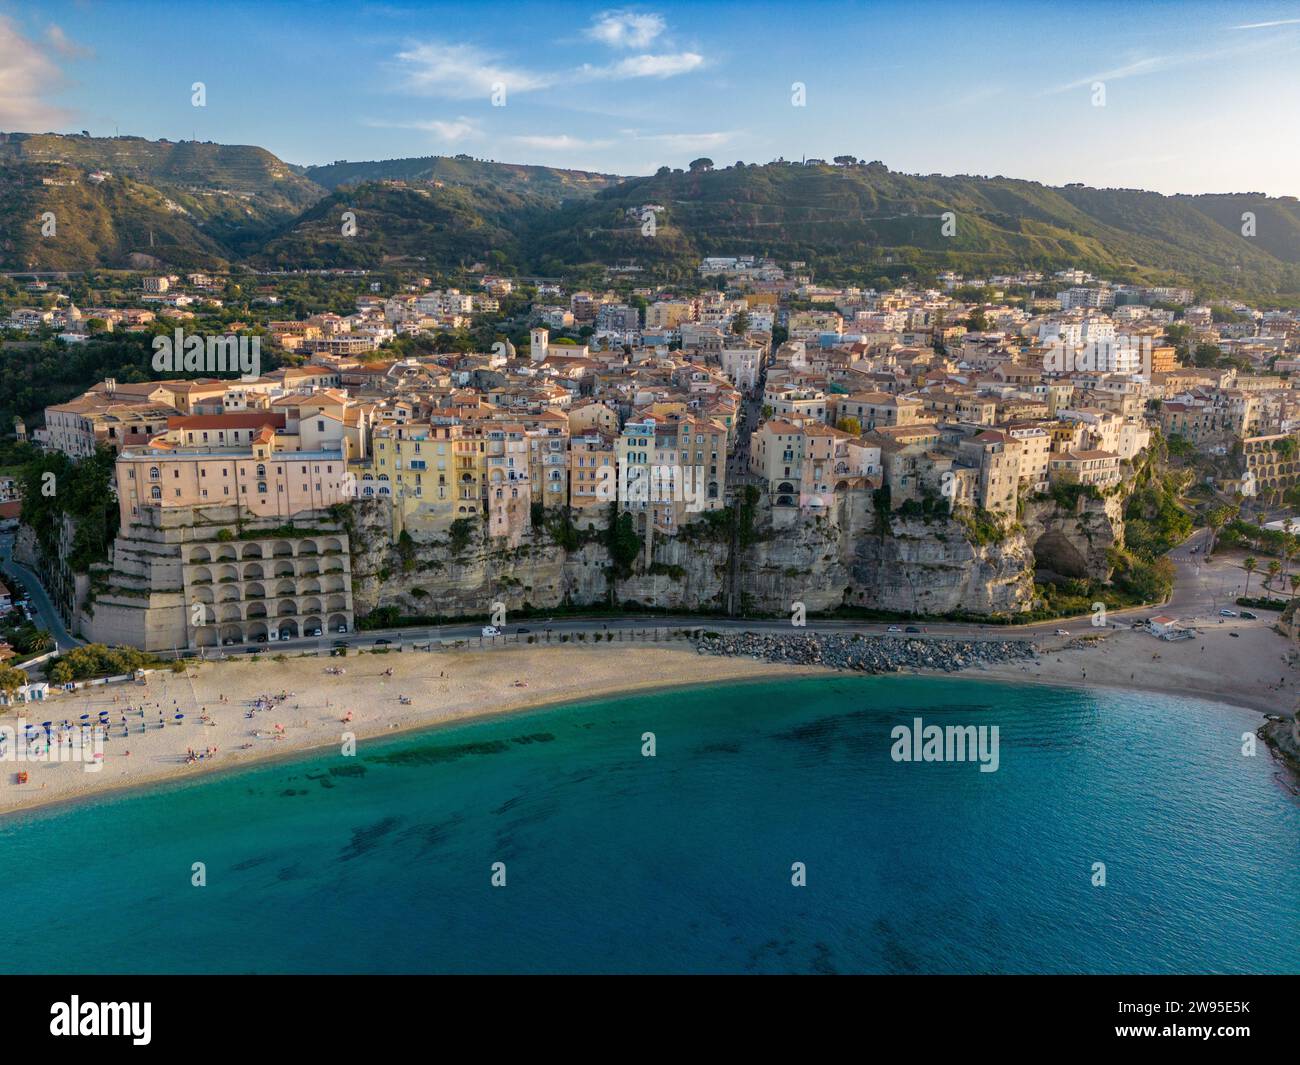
x: 1198, y: 97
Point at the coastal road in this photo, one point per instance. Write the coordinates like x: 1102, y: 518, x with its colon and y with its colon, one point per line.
x: 42, y: 609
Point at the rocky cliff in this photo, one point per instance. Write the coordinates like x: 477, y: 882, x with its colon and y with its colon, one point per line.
x: 1073, y: 539
x: 840, y: 556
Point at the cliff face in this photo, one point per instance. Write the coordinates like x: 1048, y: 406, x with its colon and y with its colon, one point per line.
x: 1074, y: 542
x: 826, y: 560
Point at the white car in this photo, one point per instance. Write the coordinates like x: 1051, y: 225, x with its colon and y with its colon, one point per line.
x: 1062, y: 632
x: 1226, y: 613
x: 491, y: 630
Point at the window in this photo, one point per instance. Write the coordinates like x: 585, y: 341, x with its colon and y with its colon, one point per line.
x: 155, y: 492
x: 154, y: 473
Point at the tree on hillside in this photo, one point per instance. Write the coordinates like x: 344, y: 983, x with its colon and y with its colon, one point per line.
x: 700, y: 164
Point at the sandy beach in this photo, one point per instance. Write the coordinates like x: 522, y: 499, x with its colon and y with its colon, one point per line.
x: 1242, y: 670
x: 441, y: 687
x: 1257, y: 668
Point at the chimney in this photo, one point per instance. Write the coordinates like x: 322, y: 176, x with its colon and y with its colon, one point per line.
x: 110, y: 385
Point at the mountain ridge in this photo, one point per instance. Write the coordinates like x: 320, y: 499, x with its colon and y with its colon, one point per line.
x: 859, y: 221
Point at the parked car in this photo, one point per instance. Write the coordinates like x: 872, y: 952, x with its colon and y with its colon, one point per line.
x: 1250, y: 615
x: 342, y: 628
x: 1062, y: 632
x: 491, y: 630
x: 314, y: 632
x: 285, y: 634
x: 261, y: 637
x: 381, y: 642
x: 911, y: 628
x: 1226, y: 613
x: 522, y: 630
x: 893, y: 628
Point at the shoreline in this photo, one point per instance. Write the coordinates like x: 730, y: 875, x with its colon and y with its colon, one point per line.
x: 486, y: 685
x: 81, y: 787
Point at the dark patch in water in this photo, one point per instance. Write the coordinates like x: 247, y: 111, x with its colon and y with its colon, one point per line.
x: 347, y: 771
x: 718, y: 748
x: 248, y: 863
x: 433, y: 754
x: 290, y: 872
x: 433, y: 834
x: 896, y: 957
x: 325, y: 782
x: 289, y: 793
x: 535, y: 737
x: 509, y: 804
x: 821, y: 963
x: 367, y: 838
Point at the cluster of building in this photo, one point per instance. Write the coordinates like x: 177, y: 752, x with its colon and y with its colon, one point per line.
x: 666, y: 406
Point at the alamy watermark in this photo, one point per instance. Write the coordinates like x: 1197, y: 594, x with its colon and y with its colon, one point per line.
x: 659, y: 483
x: 226, y: 353
x: 79, y: 743
x: 920, y: 742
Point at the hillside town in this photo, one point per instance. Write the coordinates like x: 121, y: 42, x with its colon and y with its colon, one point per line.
x: 753, y: 384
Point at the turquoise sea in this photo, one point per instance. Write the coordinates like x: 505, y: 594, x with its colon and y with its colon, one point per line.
x: 616, y: 862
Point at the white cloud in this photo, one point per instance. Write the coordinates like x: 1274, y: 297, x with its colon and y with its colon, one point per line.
x: 557, y: 142
x: 645, y: 66
x: 458, y: 129
x: 1267, y: 25
x: 462, y: 71
x: 1148, y: 65
x: 65, y: 46
x: 683, y: 142
x: 625, y: 29
x: 467, y: 72
x: 26, y: 75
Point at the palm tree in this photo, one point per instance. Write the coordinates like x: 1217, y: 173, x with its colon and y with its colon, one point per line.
x: 1295, y: 583
x: 1274, y: 568
x: 1249, y: 566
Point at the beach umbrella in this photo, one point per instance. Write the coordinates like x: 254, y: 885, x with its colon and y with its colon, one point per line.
x: 179, y: 716
x: 85, y: 717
